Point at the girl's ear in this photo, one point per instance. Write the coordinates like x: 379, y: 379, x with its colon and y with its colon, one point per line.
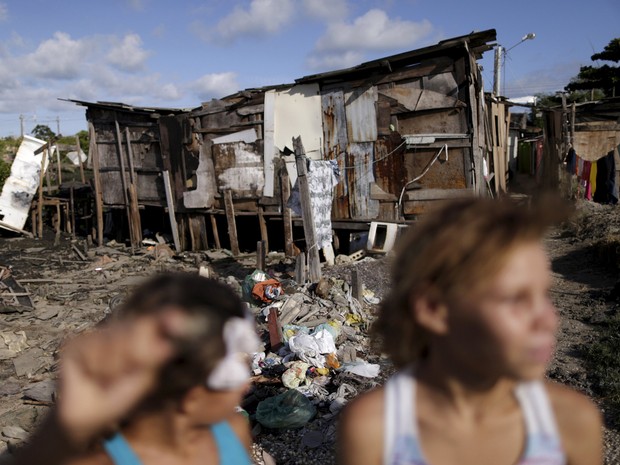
x: 430, y: 312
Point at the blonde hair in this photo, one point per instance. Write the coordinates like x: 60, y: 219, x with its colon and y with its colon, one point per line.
x: 450, y: 252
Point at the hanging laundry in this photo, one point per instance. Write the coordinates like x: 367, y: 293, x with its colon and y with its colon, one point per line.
x: 322, y: 178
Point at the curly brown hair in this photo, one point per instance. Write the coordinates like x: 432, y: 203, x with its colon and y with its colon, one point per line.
x: 452, y: 251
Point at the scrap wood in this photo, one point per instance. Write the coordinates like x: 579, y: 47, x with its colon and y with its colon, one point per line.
x: 79, y: 252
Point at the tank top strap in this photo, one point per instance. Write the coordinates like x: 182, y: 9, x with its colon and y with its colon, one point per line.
x: 543, y: 444
x: 401, y: 436
x: 119, y: 450
x: 230, y: 448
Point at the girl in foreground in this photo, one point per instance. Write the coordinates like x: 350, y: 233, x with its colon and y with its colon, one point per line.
x: 471, y: 329
x: 161, y: 382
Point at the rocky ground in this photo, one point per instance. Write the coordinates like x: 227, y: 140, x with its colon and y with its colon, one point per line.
x: 70, y: 293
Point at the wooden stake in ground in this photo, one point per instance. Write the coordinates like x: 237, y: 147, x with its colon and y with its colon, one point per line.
x: 133, y: 193
x: 79, y: 153
x: 286, y: 214
x: 314, y: 264
x: 171, y: 214
x: 121, y: 159
x: 94, y: 153
x: 260, y: 255
x: 232, y: 223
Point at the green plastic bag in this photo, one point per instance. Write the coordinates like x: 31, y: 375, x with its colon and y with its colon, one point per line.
x: 285, y: 411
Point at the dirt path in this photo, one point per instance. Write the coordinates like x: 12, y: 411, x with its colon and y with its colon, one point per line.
x: 579, y: 291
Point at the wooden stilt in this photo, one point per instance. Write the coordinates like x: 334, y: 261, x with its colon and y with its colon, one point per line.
x: 260, y: 255
x: 79, y: 152
x: 133, y: 193
x: 263, y: 228
x: 216, y: 235
x: 171, y: 214
x: 40, y: 203
x: 94, y: 153
x: 285, y: 189
x: 232, y: 224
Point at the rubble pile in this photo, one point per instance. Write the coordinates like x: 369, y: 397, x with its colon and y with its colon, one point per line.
x: 316, y: 354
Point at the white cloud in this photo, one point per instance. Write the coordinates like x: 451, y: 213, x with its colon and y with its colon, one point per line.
x: 215, y: 85
x: 326, y: 10
x: 4, y: 12
x: 128, y: 54
x: 373, y: 31
x: 345, y: 44
x: 262, y: 18
x: 60, y: 57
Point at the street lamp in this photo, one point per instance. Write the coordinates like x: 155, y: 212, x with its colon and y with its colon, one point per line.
x: 500, y: 57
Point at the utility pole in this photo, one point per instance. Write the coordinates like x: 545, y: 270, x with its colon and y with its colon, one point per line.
x: 58, y: 125
x: 497, y: 64
x: 21, y: 125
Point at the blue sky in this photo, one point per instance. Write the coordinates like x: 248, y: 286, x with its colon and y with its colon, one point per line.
x: 180, y: 53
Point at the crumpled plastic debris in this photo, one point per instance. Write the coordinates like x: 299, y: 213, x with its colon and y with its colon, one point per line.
x: 339, y: 398
x: 288, y: 410
x: 267, y: 291
x: 295, y: 375
x: 363, y: 368
x: 306, y: 348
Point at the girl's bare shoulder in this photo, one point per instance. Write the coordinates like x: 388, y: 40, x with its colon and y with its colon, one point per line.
x: 361, y: 429
x: 579, y: 423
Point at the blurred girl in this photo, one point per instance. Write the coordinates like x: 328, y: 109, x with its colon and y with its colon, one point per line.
x: 471, y: 328
x: 160, y: 382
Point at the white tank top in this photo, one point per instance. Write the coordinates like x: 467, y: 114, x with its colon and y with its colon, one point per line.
x: 401, y: 440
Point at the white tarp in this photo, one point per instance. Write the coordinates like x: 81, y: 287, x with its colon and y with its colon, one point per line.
x: 73, y: 157
x: 22, y: 184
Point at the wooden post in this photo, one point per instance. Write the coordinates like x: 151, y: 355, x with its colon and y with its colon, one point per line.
x: 171, y: 215
x: 300, y: 268
x: 285, y: 189
x: 48, y: 176
x: 263, y: 228
x: 260, y: 255
x: 79, y: 153
x: 58, y: 166
x: 232, y: 224
x: 94, y: 153
x: 314, y: 264
x: 356, y: 285
x: 71, y: 213
x: 121, y: 158
x: 216, y: 235
x: 40, y: 202
x: 133, y: 193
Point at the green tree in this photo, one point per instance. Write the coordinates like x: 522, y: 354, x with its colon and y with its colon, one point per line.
x: 605, y: 77
x: 43, y: 132
x: 84, y: 140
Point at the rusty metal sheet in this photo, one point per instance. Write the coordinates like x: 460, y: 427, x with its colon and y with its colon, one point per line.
x: 452, y: 121
x: 239, y: 167
x: 390, y: 170
x: 361, y: 114
x: 442, y: 174
x: 360, y: 175
x: 334, y: 124
x: 592, y: 145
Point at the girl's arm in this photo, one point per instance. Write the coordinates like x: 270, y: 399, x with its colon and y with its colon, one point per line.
x: 103, y: 375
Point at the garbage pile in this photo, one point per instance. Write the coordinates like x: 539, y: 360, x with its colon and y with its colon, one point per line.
x: 316, y: 358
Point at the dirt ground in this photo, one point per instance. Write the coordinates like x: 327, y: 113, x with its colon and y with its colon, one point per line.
x: 70, y: 294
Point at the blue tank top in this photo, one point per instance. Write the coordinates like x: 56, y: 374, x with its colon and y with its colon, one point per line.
x: 401, y: 440
x: 230, y: 449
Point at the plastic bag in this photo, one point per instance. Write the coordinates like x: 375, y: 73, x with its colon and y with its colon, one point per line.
x: 325, y: 342
x: 295, y: 375
x: 306, y: 348
x: 267, y: 291
x: 285, y: 411
x: 362, y: 368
